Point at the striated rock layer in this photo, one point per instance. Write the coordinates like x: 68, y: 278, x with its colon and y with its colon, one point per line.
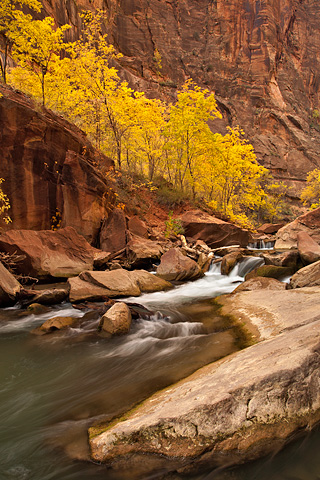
x: 49, y: 170
x: 260, y: 57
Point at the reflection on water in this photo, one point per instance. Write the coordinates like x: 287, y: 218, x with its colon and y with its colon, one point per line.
x: 52, y: 388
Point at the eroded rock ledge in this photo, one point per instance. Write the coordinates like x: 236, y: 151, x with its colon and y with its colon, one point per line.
x: 235, y: 410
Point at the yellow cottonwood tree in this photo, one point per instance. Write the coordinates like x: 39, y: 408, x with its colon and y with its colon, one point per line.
x: 236, y: 173
x: 12, y: 20
x: 148, y: 135
x: 187, y: 129
x: 311, y: 194
x: 37, y: 45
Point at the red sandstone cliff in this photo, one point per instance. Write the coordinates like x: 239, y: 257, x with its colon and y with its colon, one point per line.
x: 48, y: 164
x: 259, y: 56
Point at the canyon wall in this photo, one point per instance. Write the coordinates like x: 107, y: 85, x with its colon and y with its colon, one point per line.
x: 49, y: 168
x: 259, y: 56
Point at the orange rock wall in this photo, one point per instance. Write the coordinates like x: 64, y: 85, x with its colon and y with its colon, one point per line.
x: 48, y: 164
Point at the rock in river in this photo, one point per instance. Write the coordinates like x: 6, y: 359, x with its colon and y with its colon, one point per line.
x: 91, y: 285
x: 117, y: 320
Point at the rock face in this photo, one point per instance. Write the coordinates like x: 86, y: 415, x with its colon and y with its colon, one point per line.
x: 259, y: 57
x: 48, y: 167
x: 117, y: 320
x: 215, y: 232
x: 9, y: 287
x: 309, y: 223
x: 175, y: 266
x: 58, y: 254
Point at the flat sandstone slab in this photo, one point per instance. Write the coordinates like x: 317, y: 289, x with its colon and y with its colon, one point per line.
x: 267, y: 313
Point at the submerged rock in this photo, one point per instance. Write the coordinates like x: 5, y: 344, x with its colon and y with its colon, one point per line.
x: 54, y: 324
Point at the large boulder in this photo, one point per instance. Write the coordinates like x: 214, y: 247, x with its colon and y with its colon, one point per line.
x: 309, y: 223
x: 175, y: 266
x: 49, y: 167
x: 91, y: 285
x: 143, y: 252
x: 230, y: 260
x: 9, y: 287
x: 308, y: 276
x: 59, y: 254
x: 309, y: 249
x: 215, y: 232
x: 117, y: 320
x: 113, y: 236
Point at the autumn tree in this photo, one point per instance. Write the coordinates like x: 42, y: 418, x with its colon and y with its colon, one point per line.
x: 235, y: 175
x: 148, y: 135
x: 311, y: 194
x: 37, y: 46
x: 187, y: 130
x: 12, y: 21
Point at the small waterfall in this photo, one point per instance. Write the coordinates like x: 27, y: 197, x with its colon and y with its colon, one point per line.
x: 245, y: 266
x: 262, y: 245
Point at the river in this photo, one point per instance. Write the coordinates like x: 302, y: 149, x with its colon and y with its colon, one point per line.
x: 53, y: 387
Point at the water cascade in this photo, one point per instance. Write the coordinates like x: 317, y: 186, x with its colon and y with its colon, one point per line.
x: 262, y: 245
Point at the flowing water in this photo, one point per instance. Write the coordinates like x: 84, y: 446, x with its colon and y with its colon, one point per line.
x: 53, y: 387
